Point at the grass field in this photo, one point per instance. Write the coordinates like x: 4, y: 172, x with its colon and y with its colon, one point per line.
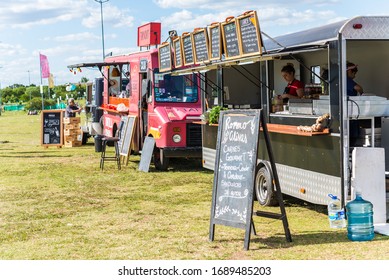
x: 55, y: 203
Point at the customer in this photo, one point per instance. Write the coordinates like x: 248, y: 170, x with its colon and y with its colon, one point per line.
x: 353, y: 89
x: 295, y: 88
x: 72, y: 109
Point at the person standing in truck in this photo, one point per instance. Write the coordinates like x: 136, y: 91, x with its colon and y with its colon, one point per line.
x: 294, y: 88
x: 353, y: 89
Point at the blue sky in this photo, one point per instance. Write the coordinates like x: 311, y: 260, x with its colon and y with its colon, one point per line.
x: 69, y: 31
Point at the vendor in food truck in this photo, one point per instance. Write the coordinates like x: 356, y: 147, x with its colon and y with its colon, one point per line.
x: 353, y: 89
x: 295, y: 88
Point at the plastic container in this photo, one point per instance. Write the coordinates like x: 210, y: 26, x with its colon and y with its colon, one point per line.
x: 336, y: 214
x: 98, y: 143
x: 360, y: 219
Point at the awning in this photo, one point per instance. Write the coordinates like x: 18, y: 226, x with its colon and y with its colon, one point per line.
x: 96, y: 64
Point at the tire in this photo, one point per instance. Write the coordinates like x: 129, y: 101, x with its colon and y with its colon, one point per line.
x: 264, y: 187
x: 160, y: 161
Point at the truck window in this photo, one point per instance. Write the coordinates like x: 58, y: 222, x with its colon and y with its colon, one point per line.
x: 169, y: 88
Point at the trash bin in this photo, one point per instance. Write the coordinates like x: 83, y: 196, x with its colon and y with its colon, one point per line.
x: 98, y: 143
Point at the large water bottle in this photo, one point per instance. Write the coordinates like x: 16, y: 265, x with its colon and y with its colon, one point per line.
x: 360, y: 219
x: 336, y: 214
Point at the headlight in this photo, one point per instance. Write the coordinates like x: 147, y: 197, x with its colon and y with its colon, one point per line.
x: 176, y: 138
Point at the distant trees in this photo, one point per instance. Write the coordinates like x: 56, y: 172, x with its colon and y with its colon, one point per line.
x: 18, y: 93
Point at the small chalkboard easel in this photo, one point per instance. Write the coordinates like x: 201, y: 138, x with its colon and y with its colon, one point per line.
x: 235, y: 171
x: 147, y: 153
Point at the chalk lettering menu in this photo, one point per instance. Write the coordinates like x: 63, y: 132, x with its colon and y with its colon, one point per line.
x: 177, y: 47
x: 164, y: 58
x: 200, y: 43
x: 188, y: 49
x: 52, y: 131
x: 215, y: 42
x: 249, y: 33
x: 235, y: 167
x: 231, y: 39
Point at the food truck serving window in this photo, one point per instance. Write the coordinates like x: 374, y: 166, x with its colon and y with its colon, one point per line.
x: 169, y: 88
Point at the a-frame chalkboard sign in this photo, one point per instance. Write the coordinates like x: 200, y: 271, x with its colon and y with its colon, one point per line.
x: 51, y: 128
x: 126, y: 137
x: 235, y: 170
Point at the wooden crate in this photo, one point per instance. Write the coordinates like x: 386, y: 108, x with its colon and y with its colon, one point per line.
x: 72, y: 143
x: 74, y: 120
x: 72, y: 132
x: 71, y: 126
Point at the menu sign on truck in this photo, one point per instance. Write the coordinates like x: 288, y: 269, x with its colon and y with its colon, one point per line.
x: 200, y: 44
x: 177, y: 48
x: 215, y: 43
x: 249, y: 33
x: 164, y: 57
x: 231, y: 38
x: 187, y: 48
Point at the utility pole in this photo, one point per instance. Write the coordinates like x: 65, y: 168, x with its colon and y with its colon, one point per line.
x: 102, y: 23
x: 29, y: 80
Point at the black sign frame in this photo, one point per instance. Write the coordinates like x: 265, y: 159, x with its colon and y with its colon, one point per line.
x: 52, y: 128
x: 231, y: 24
x: 197, y: 46
x: 187, y: 36
x: 164, y: 57
x: 211, y: 28
x: 229, y: 133
x: 252, y: 17
x: 177, y: 45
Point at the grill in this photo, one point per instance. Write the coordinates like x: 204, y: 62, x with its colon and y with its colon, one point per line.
x: 193, y: 135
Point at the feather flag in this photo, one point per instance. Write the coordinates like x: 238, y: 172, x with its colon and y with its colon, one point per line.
x: 51, y: 81
x: 45, y: 70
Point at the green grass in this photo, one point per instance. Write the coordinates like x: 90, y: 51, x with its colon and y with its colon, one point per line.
x: 55, y: 203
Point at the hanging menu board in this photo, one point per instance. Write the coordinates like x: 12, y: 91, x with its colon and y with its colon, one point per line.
x: 249, y: 33
x: 177, y: 48
x: 236, y: 160
x: 164, y: 57
x: 187, y: 48
x: 200, y: 45
x: 231, y: 38
x: 52, y: 130
x: 215, y: 42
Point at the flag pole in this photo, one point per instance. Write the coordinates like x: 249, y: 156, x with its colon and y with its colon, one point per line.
x: 41, y: 87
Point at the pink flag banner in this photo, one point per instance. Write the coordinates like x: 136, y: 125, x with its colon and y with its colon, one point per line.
x: 45, y: 70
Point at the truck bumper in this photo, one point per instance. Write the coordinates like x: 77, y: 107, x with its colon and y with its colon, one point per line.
x: 188, y: 152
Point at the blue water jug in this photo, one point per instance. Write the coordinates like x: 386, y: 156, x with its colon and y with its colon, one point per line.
x: 360, y: 225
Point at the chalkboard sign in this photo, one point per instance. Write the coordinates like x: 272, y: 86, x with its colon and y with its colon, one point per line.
x: 236, y: 160
x: 127, y: 134
x: 200, y: 45
x: 177, y: 48
x: 215, y: 42
x: 52, y: 129
x: 235, y: 171
x: 164, y: 57
x: 249, y: 33
x: 231, y: 38
x: 187, y: 48
x: 147, y: 153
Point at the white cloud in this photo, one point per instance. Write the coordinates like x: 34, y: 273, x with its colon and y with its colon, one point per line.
x: 111, y: 14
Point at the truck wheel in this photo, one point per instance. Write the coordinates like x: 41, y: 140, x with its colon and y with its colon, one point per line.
x: 264, y: 188
x: 160, y: 161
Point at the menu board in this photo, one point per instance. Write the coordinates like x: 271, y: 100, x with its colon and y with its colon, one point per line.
x: 127, y: 135
x: 215, y: 43
x: 200, y: 44
x: 187, y: 48
x: 177, y: 48
x: 231, y: 39
x: 52, y: 130
x: 164, y: 57
x: 249, y: 33
x: 235, y: 166
x: 147, y: 153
